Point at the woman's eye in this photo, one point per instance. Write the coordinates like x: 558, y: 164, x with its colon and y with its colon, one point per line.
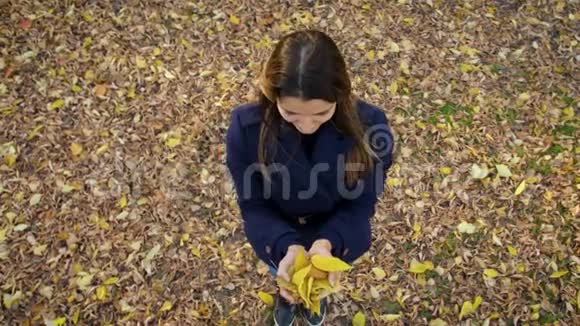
x: 322, y: 113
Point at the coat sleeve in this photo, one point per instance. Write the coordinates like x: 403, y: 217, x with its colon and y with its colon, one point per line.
x: 348, y: 229
x: 267, y: 231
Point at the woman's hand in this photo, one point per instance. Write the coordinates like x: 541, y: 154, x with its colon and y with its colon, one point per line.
x: 323, y: 247
x: 283, y: 267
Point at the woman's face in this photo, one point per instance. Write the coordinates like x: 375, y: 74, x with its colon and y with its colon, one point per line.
x: 305, y: 115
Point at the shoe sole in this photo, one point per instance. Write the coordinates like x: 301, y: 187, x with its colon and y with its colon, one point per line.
x: 292, y: 322
x: 309, y: 324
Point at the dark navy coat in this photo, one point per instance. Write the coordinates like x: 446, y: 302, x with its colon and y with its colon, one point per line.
x: 281, y: 211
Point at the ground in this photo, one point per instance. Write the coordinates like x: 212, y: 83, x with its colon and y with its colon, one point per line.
x: 116, y: 206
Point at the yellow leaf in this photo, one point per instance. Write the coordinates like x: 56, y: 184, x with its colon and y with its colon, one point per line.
x: 531, y: 180
x: 394, y: 47
x: 59, y: 321
x: 76, y: 88
x: 315, y: 307
x: 21, y: 227
x: 489, y: 272
x: 309, y: 288
x: 205, y: 73
x: 184, y: 238
x: 329, y: 264
x: 394, y: 182
x: 102, y: 223
x: 10, y: 160
x: 393, y: 88
x: 559, y: 69
x: 359, y: 319
x: 39, y: 249
x: 420, y: 268
x: 3, y: 235
x: 76, y: 149
x: 445, y: 170
x: 390, y: 317
x: 302, y: 289
x: 466, y: 309
x: 131, y: 92
x: 123, y: 202
x: 196, y: 252
x: 467, y: 68
x: 479, y: 172
x: 89, y: 75
x: 321, y: 285
x: 88, y: 41
x: 370, y: 55
x: 56, y: 105
x: 477, y: 302
x: 234, y: 20
x: 75, y: 318
x: 405, y: 67
x: 35, y: 199
x: 417, y: 229
x: 103, y: 148
x: 34, y: 132
x: 520, y: 188
x: 474, y: 91
x: 559, y: 274
x: 465, y: 227
x: 300, y: 261
x: 299, y: 277
x: 87, y: 16
x: 496, y: 239
x: 84, y: 281
x: 512, y: 251
x: 11, y: 299
x: 524, y: 97
x: 166, y: 306
x: 111, y: 281
x: 503, y: 170
x: 568, y: 112
x: 408, y: 21
x: 76, y: 268
x: 494, y: 315
x: 172, y: 142
x: 140, y: 62
x: 379, y: 273
x: 266, y: 298
x: 468, y: 50
x: 437, y: 322
x: 67, y: 188
x: 102, y: 292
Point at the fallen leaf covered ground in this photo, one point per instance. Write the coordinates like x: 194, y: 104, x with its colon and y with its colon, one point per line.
x: 116, y: 207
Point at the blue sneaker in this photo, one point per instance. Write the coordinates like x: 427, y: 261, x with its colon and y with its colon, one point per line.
x: 311, y: 318
x: 284, y: 312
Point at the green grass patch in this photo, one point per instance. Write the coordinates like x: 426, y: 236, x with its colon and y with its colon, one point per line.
x: 566, y: 129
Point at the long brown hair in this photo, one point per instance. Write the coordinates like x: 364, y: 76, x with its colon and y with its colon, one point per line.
x: 308, y: 64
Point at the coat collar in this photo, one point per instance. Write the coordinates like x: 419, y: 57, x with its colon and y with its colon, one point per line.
x: 329, y: 143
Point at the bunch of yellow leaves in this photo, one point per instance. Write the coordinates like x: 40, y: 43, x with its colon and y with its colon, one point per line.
x: 309, y: 279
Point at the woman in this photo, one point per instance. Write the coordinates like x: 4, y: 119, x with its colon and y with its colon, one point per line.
x: 308, y: 161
